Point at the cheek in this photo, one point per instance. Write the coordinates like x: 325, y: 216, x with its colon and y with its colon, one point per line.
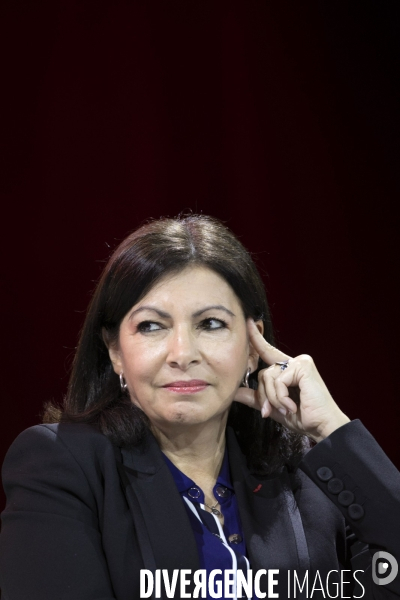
x: 140, y: 358
x: 228, y: 355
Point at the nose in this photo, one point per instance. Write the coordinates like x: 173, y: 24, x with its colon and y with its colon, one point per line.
x: 183, y: 350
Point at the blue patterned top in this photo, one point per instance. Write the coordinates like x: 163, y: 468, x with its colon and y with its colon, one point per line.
x: 219, y: 547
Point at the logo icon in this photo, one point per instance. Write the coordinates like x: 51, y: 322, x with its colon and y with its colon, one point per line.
x: 384, y: 563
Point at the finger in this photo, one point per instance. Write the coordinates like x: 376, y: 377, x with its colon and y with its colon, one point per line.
x: 267, y: 378
x: 283, y: 397
x: 247, y: 396
x: 254, y: 399
x: 278, y: 400
x: 268, y: 353
x: 266, y: 406
x: 278, y: 416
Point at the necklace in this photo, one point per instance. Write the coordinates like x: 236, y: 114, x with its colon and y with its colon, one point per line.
x: 213, y: 509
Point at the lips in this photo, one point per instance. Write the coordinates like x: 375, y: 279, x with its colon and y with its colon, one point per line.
x: 186, y: 387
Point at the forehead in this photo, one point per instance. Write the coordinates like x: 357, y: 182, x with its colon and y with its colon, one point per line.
x: 192, y: 286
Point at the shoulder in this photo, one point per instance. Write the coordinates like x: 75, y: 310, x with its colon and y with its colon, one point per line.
x: 62, y: 430
x: 57, y: 448
x: 77, y: 437
x: 59, y: 465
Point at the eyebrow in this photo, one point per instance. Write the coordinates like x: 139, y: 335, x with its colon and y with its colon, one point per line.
x: 165, y: 315
x: 213, y: 307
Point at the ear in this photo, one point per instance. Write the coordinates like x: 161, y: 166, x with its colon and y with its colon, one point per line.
x: 253, y: 354
x: 113, y: 352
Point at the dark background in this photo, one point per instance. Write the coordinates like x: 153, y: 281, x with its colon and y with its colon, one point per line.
x: 280, y: 118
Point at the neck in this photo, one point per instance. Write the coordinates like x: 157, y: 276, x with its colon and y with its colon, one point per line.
x: 196, y: 450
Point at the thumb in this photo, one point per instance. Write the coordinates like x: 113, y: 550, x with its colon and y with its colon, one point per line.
x: 247, y: 396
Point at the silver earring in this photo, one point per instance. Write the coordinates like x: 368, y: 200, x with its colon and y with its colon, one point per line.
x: 122, y: 383
x: 246, y: 378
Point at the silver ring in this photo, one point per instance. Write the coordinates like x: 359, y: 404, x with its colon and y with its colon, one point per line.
x: 283, y: 365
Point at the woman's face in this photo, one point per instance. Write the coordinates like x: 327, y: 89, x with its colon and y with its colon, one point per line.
x: 184, y: 349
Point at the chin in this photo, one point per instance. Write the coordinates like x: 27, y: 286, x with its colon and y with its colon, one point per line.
x: 186, y: 415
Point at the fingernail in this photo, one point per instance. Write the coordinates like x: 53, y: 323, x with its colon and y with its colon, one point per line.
x: 263, y: 411
x: 283, y: 411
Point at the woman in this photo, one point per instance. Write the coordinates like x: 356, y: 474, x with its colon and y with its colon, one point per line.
x: 182, y: 445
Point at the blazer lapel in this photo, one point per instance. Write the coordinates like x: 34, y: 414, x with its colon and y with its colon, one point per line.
x: 157, y: 509
x: 270, y: 518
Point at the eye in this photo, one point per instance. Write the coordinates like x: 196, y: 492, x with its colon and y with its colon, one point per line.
x: 148, y: 326
x: 213, y: 323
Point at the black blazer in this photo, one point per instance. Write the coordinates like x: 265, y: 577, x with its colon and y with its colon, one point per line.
x: 83, y: 517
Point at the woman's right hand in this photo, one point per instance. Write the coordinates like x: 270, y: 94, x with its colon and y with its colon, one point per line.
x: 314, y: 413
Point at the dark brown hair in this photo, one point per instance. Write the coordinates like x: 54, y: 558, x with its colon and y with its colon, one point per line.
x: 164, y: 246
